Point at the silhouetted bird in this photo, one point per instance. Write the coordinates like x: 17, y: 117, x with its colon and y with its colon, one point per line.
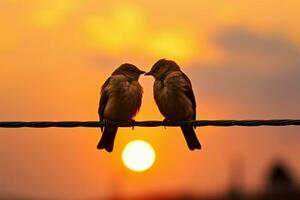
x: 174, y: 96
x: 121, y: 98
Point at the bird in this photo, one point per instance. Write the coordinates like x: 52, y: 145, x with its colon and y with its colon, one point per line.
x: 120, y: 100
x: 174, y: 97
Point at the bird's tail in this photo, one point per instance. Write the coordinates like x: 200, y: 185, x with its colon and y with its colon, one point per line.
x: 190, y: 137
x: 108, y: 138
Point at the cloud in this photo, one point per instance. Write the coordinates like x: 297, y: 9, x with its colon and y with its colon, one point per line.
x: 171, y: 44
x: 264, y: 50
x: 125, y: 29
x: 50, y: 14
x: 118, y: 30
x: 242, y: 85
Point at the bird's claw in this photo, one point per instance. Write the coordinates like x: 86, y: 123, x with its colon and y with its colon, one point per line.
x: 165, y: 120
x: 132, y: 121
x: 189, y: 123
x: 106, y: 124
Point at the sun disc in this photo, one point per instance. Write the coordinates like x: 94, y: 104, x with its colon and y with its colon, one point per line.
x: 138, y: 155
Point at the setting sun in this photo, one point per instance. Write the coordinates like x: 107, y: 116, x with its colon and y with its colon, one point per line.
x: 138, y: 155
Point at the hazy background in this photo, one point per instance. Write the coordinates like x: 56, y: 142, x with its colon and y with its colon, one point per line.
x: 243, y: 60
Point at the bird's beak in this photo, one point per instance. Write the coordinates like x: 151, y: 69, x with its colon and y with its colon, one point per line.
x: 142, y: 72
x: 148, y: 73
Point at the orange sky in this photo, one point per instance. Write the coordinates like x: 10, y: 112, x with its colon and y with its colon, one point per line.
x: 242, y: 58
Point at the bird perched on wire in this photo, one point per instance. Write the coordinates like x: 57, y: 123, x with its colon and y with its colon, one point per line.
x: 121, y: 98
x: 174, y: 97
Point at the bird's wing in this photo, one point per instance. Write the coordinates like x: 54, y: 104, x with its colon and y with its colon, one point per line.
x: 103, y: 99
x: 190, y: 94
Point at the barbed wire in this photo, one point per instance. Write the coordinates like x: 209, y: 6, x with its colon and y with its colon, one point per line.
x: 95, y: 124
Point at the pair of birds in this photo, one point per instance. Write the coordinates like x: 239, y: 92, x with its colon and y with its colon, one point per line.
x: 121, y: 98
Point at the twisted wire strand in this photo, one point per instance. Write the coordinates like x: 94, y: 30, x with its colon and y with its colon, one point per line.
x: 95, y: 124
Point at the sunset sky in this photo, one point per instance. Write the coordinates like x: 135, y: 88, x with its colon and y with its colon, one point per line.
x: 243, y: 58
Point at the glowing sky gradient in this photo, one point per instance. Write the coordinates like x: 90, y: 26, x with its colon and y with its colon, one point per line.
x: 243, y: 61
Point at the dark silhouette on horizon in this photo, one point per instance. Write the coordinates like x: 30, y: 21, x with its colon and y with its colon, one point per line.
x: 121, y: 98
x: 280, y: 184
x: 279, y: 177
x: 174, y: 97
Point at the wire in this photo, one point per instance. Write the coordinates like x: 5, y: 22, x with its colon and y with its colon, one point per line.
x: 95, y: 124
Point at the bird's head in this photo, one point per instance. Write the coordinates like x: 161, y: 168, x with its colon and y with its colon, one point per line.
x: 128, y: 70
x: 162, y: 68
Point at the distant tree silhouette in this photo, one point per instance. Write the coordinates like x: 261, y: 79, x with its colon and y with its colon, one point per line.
x: 280, y: 184
x: 280, y: 177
